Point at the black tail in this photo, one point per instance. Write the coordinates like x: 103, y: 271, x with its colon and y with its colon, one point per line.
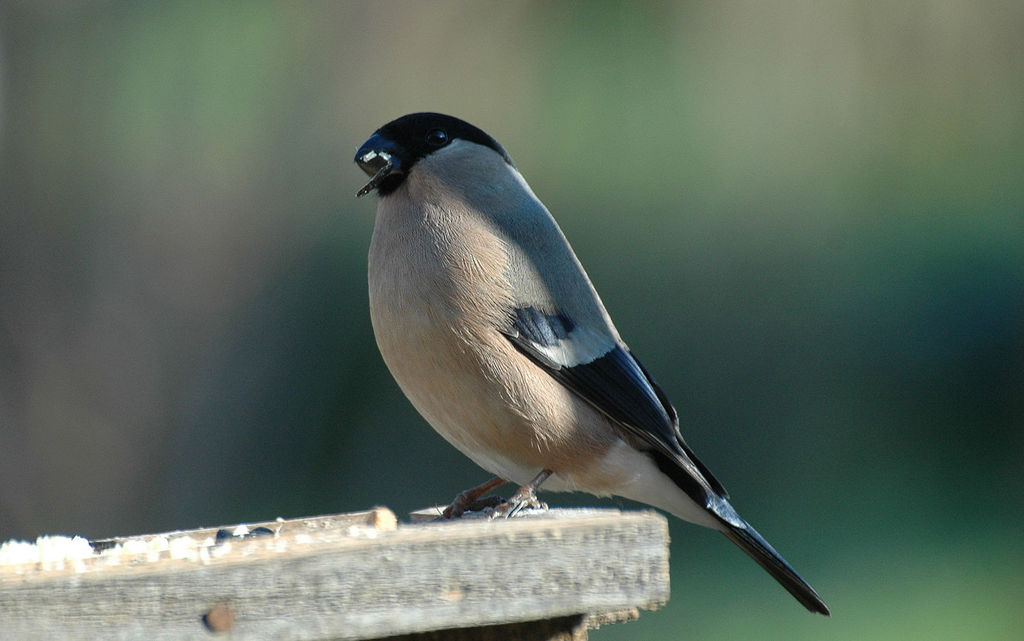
x: 761, y: 551
x: 713, y: 497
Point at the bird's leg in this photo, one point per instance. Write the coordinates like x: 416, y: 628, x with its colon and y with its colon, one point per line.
x: 525, y: 497
x: 470, y: 499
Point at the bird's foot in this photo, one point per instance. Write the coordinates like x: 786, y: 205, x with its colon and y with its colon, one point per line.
x: 472, y: 500
x: 458, y: 508
x: 524, y: 498
x: 521, y: 500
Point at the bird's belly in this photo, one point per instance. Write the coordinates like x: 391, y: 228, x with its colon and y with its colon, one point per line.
x: 440, y: 375
x: 484, y: 397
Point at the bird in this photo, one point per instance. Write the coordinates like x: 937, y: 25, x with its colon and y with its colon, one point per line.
x: 493, y: 330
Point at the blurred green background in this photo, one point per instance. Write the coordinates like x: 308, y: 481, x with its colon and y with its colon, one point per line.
x: 807, y: 219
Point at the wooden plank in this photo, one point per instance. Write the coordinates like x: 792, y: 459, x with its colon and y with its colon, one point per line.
x: 345, y: 577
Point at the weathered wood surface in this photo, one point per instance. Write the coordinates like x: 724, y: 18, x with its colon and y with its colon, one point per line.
x: 356, y: 576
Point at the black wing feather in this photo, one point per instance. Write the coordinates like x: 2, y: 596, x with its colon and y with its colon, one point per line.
x: 617, y: 385
x: 620, y: 387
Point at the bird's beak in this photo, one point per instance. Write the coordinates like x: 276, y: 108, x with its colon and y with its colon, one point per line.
x: 379, y: 158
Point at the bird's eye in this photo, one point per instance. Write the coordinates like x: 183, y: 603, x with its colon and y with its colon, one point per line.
x: 437, y: 138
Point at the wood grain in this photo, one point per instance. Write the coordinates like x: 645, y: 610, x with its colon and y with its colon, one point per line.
x: 356, y: 576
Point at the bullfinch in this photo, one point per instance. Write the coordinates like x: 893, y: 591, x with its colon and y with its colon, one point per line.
x: 492, y: 329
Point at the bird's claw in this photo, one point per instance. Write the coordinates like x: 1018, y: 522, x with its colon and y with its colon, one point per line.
x: 521, y: 500
x: 463, y: 504
x: 473, y: 500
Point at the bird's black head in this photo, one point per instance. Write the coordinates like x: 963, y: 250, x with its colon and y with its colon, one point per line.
x: 393, y: 149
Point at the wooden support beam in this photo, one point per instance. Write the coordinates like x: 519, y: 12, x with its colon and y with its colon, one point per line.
x: 353, y: 576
